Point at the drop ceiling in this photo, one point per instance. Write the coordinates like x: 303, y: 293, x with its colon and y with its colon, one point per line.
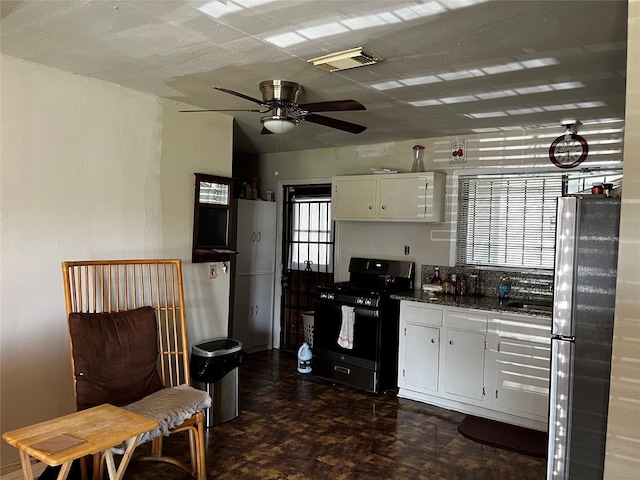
x: 450, y: 67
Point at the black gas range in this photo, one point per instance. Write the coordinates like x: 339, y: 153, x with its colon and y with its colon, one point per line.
x: 356, y: 324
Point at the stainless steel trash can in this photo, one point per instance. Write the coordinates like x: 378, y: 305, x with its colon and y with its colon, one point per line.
x: 214, y: 369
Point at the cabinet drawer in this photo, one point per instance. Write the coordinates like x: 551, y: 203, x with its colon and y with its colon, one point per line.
x: 462, y: 320
x: 414, y: 312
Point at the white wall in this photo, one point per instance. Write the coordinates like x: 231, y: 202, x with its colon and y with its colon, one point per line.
x: 623, y: 436
x: 89, y: 170
x: 431, y: 244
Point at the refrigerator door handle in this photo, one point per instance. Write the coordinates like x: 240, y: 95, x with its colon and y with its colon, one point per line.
x: 560, y: 400
x: 565, y: 256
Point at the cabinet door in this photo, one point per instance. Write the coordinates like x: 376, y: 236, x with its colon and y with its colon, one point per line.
x: 246, y: 236
x: 354, y: 198
x: 253, y: 311
x: 265, y: 228
x: 523, y: 376
x: 402, y: 198
x: 262, y: 296
x: 243, y: 311
x: 256, y: 237
x: 464, y: 363
x: 419, y: 358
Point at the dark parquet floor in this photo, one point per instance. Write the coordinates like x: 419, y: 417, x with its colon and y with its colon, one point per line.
x: 296, y: 426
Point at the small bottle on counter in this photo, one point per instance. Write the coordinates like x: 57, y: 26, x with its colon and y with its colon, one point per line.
x: 436, y: 279
x: 446, y: 285
x: 504, y: 289
x: 462, y: 285
x: 454, y: 284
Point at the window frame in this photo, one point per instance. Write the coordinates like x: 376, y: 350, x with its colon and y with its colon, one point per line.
x: 584, y: 177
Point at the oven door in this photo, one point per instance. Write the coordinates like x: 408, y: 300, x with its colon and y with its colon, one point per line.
x: 357, y: 366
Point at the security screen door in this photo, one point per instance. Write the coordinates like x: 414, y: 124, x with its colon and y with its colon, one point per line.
x: 307, y: 255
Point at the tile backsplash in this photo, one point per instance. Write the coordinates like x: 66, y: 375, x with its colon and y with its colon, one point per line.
x: 531, y: 285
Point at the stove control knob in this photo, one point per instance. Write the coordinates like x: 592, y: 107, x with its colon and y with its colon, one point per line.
x: 331, y: 296
x: 360, y: 300
x: 368, y: 302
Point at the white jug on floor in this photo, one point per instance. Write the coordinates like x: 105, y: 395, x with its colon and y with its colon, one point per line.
x: 304, y: 358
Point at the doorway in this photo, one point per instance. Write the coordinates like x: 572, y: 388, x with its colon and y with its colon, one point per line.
x: 307, y: 255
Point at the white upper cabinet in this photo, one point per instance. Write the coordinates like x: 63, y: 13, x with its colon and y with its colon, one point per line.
x: 355, y: 197
x: 256, y: 234
x: 405, y: 197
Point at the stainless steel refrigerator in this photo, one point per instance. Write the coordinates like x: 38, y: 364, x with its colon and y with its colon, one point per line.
x: 582, y: 332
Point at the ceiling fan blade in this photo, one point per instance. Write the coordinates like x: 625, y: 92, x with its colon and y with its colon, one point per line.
x: 241, y: 95
x: 335, y: 123
x: 223, y: 110
x: 333, y: 106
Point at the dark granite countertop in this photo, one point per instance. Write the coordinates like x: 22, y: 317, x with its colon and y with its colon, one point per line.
x: 489, y: 303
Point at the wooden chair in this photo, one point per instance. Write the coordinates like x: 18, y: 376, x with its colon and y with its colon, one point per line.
x: 108, y: 286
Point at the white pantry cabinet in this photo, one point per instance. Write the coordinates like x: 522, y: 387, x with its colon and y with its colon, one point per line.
x: 477, y: 362
x: 254, y: 278
x: 403, y: 197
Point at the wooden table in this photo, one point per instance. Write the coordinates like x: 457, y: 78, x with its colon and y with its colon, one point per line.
x: 87, y: 432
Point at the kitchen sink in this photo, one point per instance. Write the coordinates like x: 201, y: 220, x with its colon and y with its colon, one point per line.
x: 530, y: 306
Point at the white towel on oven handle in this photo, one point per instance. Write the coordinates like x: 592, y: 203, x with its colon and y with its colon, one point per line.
x: 345, y: 338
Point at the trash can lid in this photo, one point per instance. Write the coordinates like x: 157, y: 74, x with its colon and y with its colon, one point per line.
x: 215, y: 347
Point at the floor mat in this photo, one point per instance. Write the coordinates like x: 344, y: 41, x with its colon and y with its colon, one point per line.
x: 502, y: 435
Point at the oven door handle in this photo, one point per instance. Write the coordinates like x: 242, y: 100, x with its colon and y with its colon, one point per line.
x: 366, y: 312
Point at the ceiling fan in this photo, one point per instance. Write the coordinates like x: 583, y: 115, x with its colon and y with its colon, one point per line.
x: 279, y: 101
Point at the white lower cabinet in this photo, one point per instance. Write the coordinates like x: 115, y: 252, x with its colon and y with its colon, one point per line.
x: 464, y: 364
x: 421, y: 347
x: 476, y: 362
x: 523, y: 359
x: 252, y: 311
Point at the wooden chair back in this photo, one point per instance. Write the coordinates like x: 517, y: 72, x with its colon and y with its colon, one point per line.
x: 97, y: 286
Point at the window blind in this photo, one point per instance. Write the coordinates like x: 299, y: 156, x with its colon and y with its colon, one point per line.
x: 507, y: 221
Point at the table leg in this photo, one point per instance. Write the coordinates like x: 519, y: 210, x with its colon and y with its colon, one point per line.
x: 27, y: 471
x: 65, y: 468
x: 118, y: 474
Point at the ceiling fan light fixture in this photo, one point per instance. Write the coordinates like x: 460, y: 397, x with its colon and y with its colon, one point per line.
x: 355, y: 57
x: 278, y: 125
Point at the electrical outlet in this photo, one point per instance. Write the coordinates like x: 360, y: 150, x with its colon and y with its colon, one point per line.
x: 213, y: 271
x: 406, y: 249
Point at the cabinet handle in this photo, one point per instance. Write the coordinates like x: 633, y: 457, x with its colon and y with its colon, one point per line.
x: 251, y: 311
x: 370, y: 207
x: 384, y: 206
x: 256, y: 310
x: 450, y: 342
x: 259, y: 236
x: 253, y: 237
x: 433, y: 340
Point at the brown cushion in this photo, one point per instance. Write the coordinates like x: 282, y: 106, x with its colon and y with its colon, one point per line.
x: 115, y: 356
